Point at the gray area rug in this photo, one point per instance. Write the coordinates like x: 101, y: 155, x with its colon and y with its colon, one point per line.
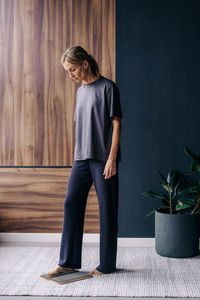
x: 141, y: 273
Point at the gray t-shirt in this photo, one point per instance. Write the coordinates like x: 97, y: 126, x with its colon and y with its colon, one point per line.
x: 96, y: 104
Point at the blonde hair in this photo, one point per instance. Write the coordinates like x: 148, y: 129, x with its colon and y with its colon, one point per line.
x: 76, y: 55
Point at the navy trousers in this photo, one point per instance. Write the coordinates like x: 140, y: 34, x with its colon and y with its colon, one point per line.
x: 83, y: 174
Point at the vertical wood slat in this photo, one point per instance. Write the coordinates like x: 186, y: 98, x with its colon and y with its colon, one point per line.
x: 37, y: 98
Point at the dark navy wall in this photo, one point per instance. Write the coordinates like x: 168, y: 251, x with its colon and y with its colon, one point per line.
x: 158, y: 74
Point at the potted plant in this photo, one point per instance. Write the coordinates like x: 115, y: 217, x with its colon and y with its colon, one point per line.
x: 177, y: 222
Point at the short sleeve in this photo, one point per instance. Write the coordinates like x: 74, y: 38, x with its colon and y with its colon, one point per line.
x: 113, y: 102
x: 75, y: 107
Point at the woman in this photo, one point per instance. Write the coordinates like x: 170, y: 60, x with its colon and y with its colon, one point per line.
x: 97, y: 154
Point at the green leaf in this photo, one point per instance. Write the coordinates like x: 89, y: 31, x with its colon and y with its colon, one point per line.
x: 183, y: 206
x: 171, y: 177
x: 181, y: 184
x: 154, y: 195
x: 164, y: 179
x: 192, y: 156
x: 184, y: 203
x: 189, y: 190
x: 191, y: 201
x: 195, y: 167
x: 167, y: 188
x: 153, y: 211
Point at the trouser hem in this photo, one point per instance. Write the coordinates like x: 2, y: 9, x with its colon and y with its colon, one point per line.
x: 71, y: 267
x: 106, y: 271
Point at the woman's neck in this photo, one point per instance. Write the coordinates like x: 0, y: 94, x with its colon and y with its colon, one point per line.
x: 89, y: 79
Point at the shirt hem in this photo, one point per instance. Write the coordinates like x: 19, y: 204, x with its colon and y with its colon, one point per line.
x: 92, y: 157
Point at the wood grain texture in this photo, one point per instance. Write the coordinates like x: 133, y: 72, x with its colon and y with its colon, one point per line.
x: 37, y: 102
x: 37, y: 98
x: 32, y: 200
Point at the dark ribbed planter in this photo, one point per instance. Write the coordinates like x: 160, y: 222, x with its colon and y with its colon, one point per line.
x: 176, y: 235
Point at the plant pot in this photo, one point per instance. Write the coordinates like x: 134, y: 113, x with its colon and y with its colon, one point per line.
x: 176, y: 235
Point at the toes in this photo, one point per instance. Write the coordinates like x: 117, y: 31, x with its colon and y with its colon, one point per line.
x: 55, y: 271
x: 96, y: 272
x: 50, y: 273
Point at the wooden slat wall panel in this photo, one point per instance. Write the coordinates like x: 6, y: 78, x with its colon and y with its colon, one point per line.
x: 32, y: 200
x: 37, y: 98
x: 37, y: 101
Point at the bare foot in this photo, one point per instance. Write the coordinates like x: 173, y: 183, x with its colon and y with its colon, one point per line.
x: 57, y: 270
x: 96, y: 272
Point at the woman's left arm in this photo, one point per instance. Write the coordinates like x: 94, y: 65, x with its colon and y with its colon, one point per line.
x: 110, y: 167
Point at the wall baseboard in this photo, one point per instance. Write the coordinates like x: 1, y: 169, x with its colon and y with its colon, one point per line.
x: 56, y: 238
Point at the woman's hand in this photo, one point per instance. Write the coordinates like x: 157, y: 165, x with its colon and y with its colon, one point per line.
x: 110, y: 168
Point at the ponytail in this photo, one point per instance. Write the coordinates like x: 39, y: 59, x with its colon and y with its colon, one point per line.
x: 76, y: 55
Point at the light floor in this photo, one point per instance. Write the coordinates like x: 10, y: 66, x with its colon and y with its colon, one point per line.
x: 6, y: 244
x: 83, y: 298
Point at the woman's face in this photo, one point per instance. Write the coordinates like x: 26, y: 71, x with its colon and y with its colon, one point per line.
x: 76, y: 72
